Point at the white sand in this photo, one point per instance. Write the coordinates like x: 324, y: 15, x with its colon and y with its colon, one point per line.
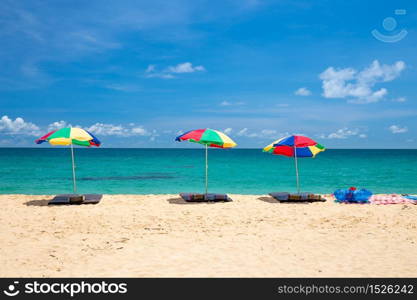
x: 159, y: 235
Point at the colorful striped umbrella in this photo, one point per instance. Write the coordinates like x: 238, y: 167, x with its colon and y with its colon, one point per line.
x: 70, y: 136
x: 295, y: 146
x: 209, y: 138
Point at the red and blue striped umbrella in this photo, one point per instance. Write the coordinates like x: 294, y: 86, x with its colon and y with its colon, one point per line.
x: 301, y: 145
x: 295, y: 146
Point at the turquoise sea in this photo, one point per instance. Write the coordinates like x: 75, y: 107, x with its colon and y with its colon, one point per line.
x: 245, y: 171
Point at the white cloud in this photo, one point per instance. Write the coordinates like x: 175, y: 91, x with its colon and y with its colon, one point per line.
x: 186, y: 67
x: 153, y: 135
x: 117, y: 130
x: 228, y: 130
x: 358, y: 86
x: 245, y: 132
x: 168, y: 73
x: 108, y: 129
x: 227, y: 103
x: 398, y: 129
x: 18, y: 126
x: 400, y: 99
x: 302, y: 92
x: 58, y: 125
x: 264, y: 133
x: 242, y: 132
x: 139, y: 131
x: 343, y: 133
x: 268, y: 132
x: 123, y: 87
x: 150, y: 69
x: 152, y: 73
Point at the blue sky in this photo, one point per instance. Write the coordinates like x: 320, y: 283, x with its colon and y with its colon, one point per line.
x: 137, y: 73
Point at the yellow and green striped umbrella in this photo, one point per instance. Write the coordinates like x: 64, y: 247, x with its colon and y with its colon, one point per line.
x: 209, y: 138
x: 70, y: 136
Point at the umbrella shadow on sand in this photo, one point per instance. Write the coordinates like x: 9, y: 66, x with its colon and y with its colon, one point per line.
x: 272, y: 200
x: 268, y: 199
x: 179, y: 200
x: 42, y: 202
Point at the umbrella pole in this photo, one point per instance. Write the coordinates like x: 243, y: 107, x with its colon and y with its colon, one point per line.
x: 296, y: 168
x: 206, y: 169
x: 73, y: 170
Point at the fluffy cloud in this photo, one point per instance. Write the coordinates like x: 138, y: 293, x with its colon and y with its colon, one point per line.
x: 397, y: 129
x: 302, y: 92
x: 264, y: 133
x: 186, y: 67
x: 104, y: 129
x: 151, y: 72
x: 168, y: 72
x: 117, y: 130
x: 58, y: 125
x: 108, y: 129
x: 18, y: 126
x: 343, y: 133
x: 358, y: 86
x: 139, y: 131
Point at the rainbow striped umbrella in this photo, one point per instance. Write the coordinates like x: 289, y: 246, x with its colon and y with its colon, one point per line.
x: 209, y: 138
x: 70, y: 136
x: 295, y: 146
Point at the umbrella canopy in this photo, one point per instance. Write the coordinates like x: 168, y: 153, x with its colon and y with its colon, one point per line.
x: 295, y: 146
x: 302, y: 146
x: 209, y: 138
x: 70, y: 136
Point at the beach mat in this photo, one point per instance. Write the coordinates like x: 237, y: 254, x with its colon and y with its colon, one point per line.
x: 72, y: 199
x: 195, y: 197
x: 384, y: 199
x: 294, y: 198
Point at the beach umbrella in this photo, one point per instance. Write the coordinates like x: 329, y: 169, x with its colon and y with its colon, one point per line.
x: 208, y: 138
x: 69, y: 137
x: 295, y: 146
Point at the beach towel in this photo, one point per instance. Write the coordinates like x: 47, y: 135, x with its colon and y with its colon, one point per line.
x: 301, y: 197
x: 352, y: 195
x: 411, y: 198
x: 194, y: 197
x: 71, y: 199
x: 383, y: 199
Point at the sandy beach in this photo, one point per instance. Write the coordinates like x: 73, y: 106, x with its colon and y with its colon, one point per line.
x: 162, y: 236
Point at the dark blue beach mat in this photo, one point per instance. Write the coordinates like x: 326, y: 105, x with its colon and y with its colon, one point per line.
x: 194, y: 197
x: 299, y: 197
x: 74, y: 199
